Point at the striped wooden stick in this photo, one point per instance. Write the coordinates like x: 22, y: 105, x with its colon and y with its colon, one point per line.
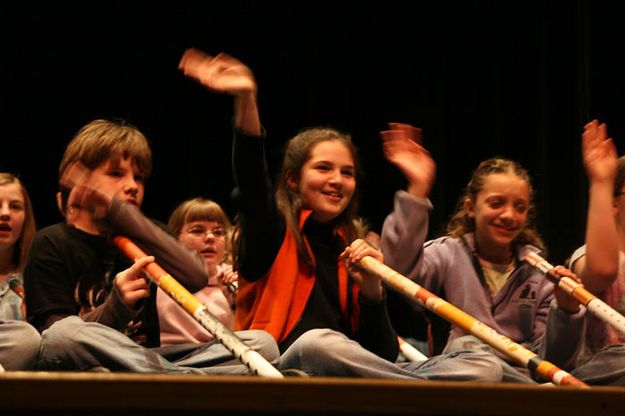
x: 456, y: 316
x: 594, y: 305
x: 256, y: 363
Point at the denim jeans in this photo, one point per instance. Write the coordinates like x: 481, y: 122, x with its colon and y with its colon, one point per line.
x: 72, y: 344
x: 19, y: 345
x: 323, y: 352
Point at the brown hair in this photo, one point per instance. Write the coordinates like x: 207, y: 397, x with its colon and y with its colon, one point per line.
x: 298, y: 151
x: 200, y: 209
x: 460, y: 222
x: 29, y: 229
x: 102, y: 140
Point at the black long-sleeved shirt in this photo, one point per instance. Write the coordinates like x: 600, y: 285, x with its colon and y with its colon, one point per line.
x: 262, y: 232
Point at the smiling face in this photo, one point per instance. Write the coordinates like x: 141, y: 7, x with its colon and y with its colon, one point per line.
x: 500, y: 212
x: 12, y: 214
x: 206, y: 237
x: 327, y: 180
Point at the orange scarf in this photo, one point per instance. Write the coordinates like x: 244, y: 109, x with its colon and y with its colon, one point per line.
x: 275, y: 303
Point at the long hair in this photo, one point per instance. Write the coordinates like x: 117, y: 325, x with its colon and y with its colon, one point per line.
x: 460, y: 222
x: 288, y: 199
x: 28, y: 231
x: 200, y: 209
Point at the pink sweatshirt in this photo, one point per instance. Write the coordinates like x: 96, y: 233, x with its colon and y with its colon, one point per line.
x: 178, y: 327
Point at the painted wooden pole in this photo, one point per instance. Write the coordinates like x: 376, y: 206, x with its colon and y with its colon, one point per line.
x: 594, y: 305
x: 198, y: 311
x: 456, y: 316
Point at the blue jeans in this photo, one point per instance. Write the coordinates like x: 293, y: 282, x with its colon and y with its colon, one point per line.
x: 323, y: 352
x: 19, y: 345
x: 72, y: 344
x: 605, y: 368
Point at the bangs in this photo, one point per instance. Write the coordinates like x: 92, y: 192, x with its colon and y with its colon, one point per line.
x: 133, y: 148
x: 206, y: 212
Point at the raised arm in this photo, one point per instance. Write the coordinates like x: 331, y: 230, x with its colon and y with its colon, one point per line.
x: 598, y: 268
x: 405, y: 229
x: 227, y: 75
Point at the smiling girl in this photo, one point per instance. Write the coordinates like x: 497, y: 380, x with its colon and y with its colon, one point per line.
x: 478, y: 266
x: 297, y: 251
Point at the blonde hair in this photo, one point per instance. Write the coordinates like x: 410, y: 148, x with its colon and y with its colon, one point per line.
x: 460, y: 222
x: 200, y: 209
x: 29, y: 229
x: 298, y: 152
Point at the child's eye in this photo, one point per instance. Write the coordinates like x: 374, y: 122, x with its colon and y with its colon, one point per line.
x: 349, y: 173
x: 323, y: 168
x: 16, y: 206
x: 116, y: 173
x: 139, y: 178
x: 496, y: 203
x: 521, y: 208
x: 196, y: 230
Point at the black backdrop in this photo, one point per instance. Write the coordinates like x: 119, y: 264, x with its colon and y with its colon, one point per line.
x: 482, y: 78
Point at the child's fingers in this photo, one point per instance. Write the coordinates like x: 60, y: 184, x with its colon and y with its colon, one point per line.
x: 409, y: 131
x: 134, y: 272
x: 591, y: 123
x: 139, y: 264
x: 391, y: 135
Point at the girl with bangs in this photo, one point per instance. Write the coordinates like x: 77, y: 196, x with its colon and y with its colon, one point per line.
x: 201, y: 225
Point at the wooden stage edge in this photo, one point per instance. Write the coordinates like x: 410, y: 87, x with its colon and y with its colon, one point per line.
x: 121, y: 393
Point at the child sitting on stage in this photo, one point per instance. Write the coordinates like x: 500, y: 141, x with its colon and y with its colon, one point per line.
x: 19, y: 342
x: 478, y: 265
x: 94, y: 308
x: 201, y: 225
x: 297, y: 252
x: 601, y: 261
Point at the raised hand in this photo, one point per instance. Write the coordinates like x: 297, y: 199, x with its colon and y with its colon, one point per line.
x: 402, y: 147
x: 228, y: 75
x: 221, y: 73
x: 598, y: 153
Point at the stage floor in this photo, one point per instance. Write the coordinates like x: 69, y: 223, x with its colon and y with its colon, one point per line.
x: 116, y: 394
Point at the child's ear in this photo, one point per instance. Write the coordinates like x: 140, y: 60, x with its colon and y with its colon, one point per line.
x: 469, y: 208
x: 59, y: 203
x: 291, y: 181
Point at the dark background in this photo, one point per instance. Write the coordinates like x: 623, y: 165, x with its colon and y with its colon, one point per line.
x: 482, y: 78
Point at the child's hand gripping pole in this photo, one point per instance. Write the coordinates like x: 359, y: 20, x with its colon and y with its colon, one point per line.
x: 256, y: 363
x: 594, y: 305
x: 455, y: 316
